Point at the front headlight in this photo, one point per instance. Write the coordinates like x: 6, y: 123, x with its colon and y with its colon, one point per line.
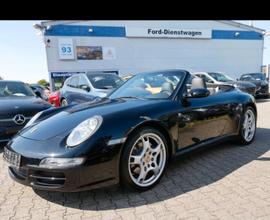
x: 84, y: 130
x: 33, y: 119
x: 51, y: 163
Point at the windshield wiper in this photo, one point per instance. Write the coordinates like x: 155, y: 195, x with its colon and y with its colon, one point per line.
x: 130, y: 97
x: 106, y: 87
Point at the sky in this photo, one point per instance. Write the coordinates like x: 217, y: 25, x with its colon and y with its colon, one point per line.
x: 23, y: 57
x: 22, y: 53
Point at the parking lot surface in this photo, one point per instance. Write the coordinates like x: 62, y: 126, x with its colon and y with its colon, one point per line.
x: 222, y: 182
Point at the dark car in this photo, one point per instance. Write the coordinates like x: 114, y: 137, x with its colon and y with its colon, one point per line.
x: 18, y: 104
x: 40, y: 91
x: 259, y: 79
x: 216, y: 80
x: 85, y: 87
x: 129, y: 136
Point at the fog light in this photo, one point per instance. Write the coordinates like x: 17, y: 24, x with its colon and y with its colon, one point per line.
x: 52, y: 163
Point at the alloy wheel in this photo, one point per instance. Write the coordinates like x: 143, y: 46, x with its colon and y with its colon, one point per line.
x: 147, y: 159
x: 249, y: 125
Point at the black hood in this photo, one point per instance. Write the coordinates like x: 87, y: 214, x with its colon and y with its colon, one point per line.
x: 70, y: 117
x: 10, y: 106
x: 258, y: 83
x: 244, y: 84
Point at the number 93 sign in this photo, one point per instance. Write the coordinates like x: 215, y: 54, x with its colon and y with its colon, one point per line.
x: 65, y: 48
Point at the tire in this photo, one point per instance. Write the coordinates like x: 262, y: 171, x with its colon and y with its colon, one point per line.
x: 64, y: 102
x: 143, y: 165
x: 243, y: 137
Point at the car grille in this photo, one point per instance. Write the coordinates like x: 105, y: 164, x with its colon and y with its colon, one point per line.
x: 264, y: 88
x: 9, y: 122
x: 43, y: 178
x: 39, y: 178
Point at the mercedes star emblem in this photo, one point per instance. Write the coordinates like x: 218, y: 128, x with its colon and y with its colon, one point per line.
x: 19, y: 119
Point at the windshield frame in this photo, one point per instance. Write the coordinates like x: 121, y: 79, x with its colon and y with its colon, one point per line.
x: 27, y: 88
x: 174, y: 94
x: 252, y: 76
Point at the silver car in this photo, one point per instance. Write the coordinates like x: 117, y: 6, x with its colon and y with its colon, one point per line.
x: 85, y: 87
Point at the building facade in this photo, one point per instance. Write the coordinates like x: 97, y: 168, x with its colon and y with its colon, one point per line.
x: 125, y: 47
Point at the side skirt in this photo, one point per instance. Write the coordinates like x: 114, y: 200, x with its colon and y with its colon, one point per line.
x: 207, y: 143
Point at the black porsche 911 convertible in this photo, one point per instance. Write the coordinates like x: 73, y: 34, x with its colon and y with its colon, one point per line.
x: 130, y: 136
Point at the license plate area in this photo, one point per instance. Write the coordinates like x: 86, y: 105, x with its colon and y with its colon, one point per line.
x: 12, y: 158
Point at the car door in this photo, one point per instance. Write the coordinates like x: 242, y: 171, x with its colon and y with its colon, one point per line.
x: 202, y: 119
x: 85, y: 96
x: 73, y: 93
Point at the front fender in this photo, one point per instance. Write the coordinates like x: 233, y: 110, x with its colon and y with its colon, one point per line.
x: 123, y: 131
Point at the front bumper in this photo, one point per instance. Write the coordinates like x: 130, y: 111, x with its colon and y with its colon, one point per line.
x: 97, y: 171
x: 68, y: 180
x: 249, y: 90
x: 263, y: 90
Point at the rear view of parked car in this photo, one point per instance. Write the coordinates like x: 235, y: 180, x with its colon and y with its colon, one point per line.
x: 216, y: 80
x: 259, y: 79
x: 54, y: 98
x: 86, y: 87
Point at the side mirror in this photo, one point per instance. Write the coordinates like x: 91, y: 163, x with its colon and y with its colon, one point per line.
x: 85, y: 87
x: 38, y: 94
x: 198, y: 93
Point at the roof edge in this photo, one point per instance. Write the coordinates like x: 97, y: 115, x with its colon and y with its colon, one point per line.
x: 229, y: 22
x: 241, y: 25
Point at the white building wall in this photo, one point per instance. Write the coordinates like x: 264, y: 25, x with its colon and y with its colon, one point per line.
x: 142, y: 54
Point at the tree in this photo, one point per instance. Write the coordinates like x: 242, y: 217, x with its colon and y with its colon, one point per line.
x: 43, y: 82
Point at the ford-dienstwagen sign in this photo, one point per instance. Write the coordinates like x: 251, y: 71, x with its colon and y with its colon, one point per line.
x: 168, y: 33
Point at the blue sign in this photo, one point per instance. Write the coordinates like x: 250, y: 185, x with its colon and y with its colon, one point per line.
x: 63, y: 74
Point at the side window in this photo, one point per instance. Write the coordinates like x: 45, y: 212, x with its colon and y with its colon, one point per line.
x: 84, y: 84
x: 74, y: 82
x: 207, y: 79
x: 83, y: 81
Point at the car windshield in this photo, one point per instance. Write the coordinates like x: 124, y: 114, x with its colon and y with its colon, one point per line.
x: 154, y: 85
x: 14, y: 89
x: 104, y: 81
x: 252, y: 77
x: 220, y: 77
